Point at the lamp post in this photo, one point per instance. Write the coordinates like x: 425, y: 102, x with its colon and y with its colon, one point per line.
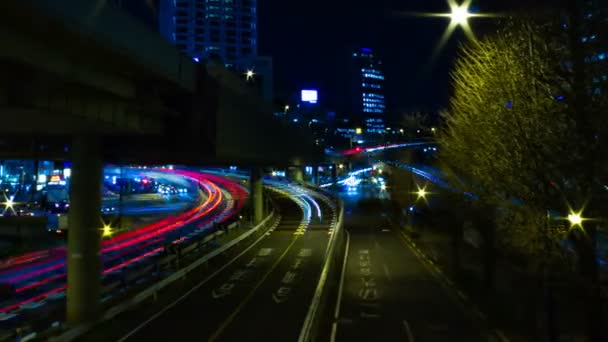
x: 459, y: 16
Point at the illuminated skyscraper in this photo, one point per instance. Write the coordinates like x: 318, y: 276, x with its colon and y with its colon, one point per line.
x: 594, y: 32
x: 367, y: 97
x: 212, y: 29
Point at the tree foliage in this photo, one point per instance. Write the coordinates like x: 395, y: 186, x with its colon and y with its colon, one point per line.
x: 507, y: 128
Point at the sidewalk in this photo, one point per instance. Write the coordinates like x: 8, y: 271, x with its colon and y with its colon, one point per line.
x: 511, y: 306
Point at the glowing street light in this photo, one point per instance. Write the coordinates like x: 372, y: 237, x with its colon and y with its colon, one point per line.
x: 421, y: 193
x: 459, y: 16
x: 9, y: 204
x: 107, y: 230
x: 575, y: 219
x: 358, y: 130
x: 249, y: 74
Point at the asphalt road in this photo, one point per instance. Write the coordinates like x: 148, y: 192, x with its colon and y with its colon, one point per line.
x: 263, y: 295
x: 389, y: 294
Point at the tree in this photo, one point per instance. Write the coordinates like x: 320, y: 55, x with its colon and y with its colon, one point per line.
x: 505, y: 126
x: 523, y: 134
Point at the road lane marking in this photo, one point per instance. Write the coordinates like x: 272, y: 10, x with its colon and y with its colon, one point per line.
x: 386, y: 272
x: 408, y: 331
x: 240, y: 307
x: 265, y: 251
x: 189, y: 292
x: 334, y: 328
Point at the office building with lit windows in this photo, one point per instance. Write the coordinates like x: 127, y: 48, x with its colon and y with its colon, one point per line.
x: 594, y: 30
x: 367, y: 90
x: 225, y: 30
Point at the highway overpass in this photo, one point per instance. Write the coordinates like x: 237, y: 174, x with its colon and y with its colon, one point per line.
x: 82, y: 81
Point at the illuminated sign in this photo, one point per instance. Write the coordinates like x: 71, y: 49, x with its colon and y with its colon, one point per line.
x: 56, y: 180
x: 309, y: 95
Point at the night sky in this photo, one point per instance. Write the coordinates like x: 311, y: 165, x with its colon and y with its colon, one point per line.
x: 311, y: 42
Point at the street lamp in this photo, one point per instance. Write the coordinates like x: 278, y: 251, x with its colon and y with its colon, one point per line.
x: 107, y: 230
x: 421, y: 193
x: 459, y: 16
x: 249, y: 74
x: 575, y: 219
x: 9, y: 204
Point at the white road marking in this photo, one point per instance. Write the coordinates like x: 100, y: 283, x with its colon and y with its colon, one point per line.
x: 185, y: 295
x: 334, y: 328
x: 408, y: 331
x: 265, y: 251
x: 305, y: 252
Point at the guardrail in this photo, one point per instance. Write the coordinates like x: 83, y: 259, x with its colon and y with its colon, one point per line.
x: 152, y: 291
x: 319, y: 305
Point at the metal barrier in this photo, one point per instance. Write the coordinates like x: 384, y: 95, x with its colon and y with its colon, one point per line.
x: 319, y: 305
x: 151, y: 291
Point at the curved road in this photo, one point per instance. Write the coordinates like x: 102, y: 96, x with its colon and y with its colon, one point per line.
x: 42, y: 275
x: 261, y: 294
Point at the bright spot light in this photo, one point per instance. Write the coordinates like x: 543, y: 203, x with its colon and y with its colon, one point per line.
x: 421, y: 193
x: 249, y: 74
x: 341, y: 166
x: 380, y: 171
x: 575, y: 219
x: 383, y: 187
x: 9, y: 203
x: 107, y: 230
x: 460, y: 14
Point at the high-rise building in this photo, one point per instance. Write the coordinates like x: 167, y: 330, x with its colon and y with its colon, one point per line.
x: 367, y: 91
x: 212, y: 29
x: 594, y: 31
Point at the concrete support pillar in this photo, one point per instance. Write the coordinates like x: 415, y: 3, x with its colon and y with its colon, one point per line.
x: 315, y: 175
x: 84, y: 230
x: 298, y: 174
x: 257, y: 195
